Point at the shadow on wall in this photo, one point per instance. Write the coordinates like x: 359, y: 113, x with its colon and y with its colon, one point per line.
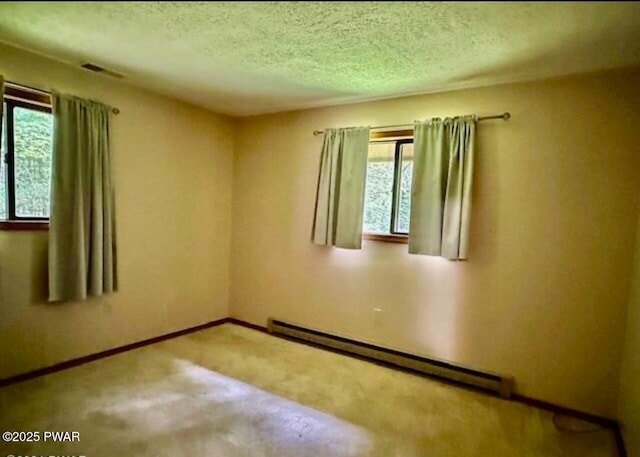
x: 442, y: 326
x: 431, y: 289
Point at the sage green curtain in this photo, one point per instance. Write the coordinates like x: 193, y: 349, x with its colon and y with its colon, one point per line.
x: 1, y: 115
x: 340, y: 195
x: 82, y: 237
x: 441, y: 188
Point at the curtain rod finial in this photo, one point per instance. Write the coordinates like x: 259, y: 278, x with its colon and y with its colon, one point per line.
x: 317, y: 132
x: 506, y: 116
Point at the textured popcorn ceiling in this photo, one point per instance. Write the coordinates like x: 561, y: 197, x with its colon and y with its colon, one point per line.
x: 254, y: 57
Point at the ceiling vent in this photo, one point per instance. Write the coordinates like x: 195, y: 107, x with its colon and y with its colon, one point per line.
x: 98, y: 69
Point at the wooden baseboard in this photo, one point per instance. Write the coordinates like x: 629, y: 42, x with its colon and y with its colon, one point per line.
x: 622, y: 450
x: 260, y: 328
x: 594, y: 419
x: 541, y: 404
x: 605, y: 422
x: 599, y: 420
x: 103, y: 354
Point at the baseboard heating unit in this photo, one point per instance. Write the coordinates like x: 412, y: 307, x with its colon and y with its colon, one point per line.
x: 498, y: 384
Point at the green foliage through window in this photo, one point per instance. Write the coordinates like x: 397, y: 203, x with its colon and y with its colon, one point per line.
x: 389, y: 175
x: 32, y: 150
x: 3, y: 169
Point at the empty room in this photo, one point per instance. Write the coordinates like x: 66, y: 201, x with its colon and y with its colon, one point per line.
x: 332, y: 229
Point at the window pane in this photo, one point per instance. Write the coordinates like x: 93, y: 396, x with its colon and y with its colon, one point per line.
x: 404, y: 200
x: 3, y: 168
x: 379, y: 188
x: 33, y: 134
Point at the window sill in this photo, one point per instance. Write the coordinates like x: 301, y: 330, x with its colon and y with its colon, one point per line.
x: 386, y: 237
x: 24, y: 225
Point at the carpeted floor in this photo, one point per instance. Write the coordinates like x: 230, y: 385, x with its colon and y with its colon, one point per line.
x: 231, y: 391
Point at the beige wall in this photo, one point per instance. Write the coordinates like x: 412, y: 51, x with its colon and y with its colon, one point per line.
x: 629, y: 401
x: 543, y: 295
x: 173, y: 173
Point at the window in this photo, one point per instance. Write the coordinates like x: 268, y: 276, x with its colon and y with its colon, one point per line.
x: 387, y: 203
x: 25, y: 166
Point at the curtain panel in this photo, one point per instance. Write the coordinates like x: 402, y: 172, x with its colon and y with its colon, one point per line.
x: 341, y: 184
x: 82, y: 237
x: 441, y: 188
x: 1, y: 114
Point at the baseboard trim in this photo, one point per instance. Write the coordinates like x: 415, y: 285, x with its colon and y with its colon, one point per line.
x: 595, y: 419
x: 108, y: 353
x: 259, y: 328
x: 605, y: 422
x: 622, y: 449
x: 433, y: 368
x: 588, y: 417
